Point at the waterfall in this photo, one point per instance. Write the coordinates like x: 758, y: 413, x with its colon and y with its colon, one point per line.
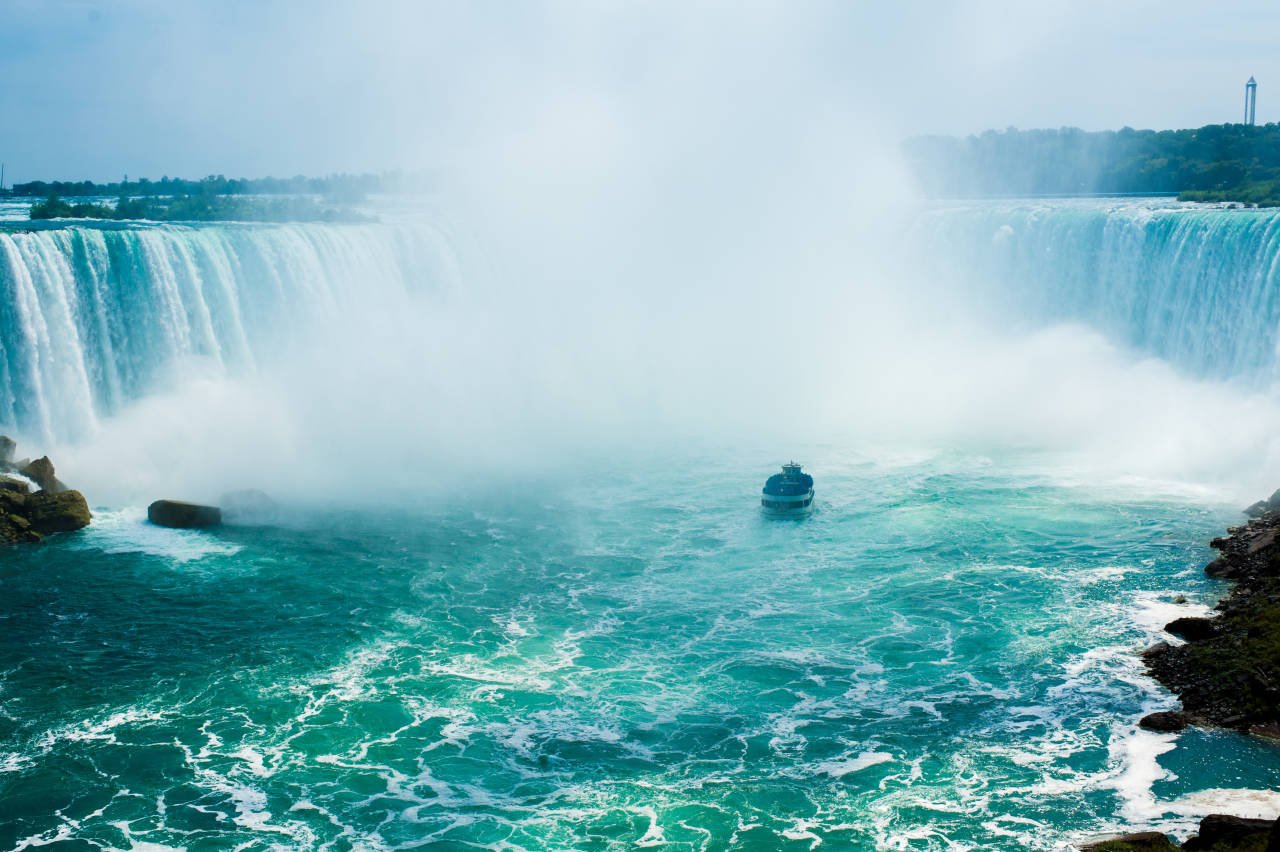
x: 94, y: 317
x: 1193, y: 285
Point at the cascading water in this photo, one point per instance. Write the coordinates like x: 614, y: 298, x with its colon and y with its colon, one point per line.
x: 623, y: 652
x: 1186, y: 283
x: 92, y: 318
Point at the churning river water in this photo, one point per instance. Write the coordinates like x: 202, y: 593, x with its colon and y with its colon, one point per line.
x: 626, y: 654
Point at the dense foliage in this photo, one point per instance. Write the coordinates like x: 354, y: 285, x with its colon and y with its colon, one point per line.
x: 339, y: 187
x: 198, y: 208
x: 1219, y: 162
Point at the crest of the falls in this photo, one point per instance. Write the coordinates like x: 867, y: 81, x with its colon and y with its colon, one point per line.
x: 1190, y: 284
x: 350, y: 323
x: 92, y: 318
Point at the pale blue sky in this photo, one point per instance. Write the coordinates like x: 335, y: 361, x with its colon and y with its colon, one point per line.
x: 97, y: 88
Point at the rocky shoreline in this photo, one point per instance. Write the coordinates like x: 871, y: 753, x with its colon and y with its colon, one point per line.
x: 34, y: 503
x: 1226, y: 673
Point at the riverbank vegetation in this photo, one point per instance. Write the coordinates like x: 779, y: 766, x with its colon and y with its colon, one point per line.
x: 199, y: 208
x: 336, y: 187
x: 1218, y: 162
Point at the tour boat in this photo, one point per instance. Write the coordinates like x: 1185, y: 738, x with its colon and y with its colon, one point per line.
x: 789, y: 492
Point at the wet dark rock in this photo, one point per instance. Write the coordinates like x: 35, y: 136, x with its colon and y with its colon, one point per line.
x: 176, y: 513
x: 1190, y: 628
x: 15, y: 529
x: 1164, y: 721
x: 1228, y: 672
x: 41, y: 473
x: 1218, y: 833
x: 28, y: 517
x: 1143, y: 841
x: 12, y: 502
x: 249, y: 506
x: 61, y: 512
x: 15, y: 485
x: 1223, y: 832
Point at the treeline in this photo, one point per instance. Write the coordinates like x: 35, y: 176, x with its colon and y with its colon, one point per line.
x: 340, y: 187
x: 199, y: 208
x: 1219, y: 162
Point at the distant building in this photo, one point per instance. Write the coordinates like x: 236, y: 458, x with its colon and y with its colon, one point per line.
x: 1250, y: 101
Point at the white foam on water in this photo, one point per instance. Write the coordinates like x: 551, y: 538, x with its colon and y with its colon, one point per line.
x: 98, y: 729
x: 841, y: 768
x: 653, y: 835
x: 1241, y: 802
x: 1106, y: 573
x: 1137, y: 753
x: 1152, y: 611
x: 128, y: 531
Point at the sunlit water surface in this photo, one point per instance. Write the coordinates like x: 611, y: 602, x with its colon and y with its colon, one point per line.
x: 941, y: 657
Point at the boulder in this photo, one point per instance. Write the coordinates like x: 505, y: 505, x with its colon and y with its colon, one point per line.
x: 7, y: 448
x: 14, y: 485
x: 60, y: 512
x: 1165, y: 722
x: 250, y: 506
x: 1221, y: 831
x: 1143, y: 841
x: 176, y: 513
x: 1190, y: 628
x: 40, y: 472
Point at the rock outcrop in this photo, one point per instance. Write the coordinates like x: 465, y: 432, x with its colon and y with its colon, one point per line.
x: 1164, y: 722
x: 1228, y: 672
x: 61, y: 512
x: 1218, y: 833
x: 41, y: 473
x: 181, y: 515
x: 27, y: 516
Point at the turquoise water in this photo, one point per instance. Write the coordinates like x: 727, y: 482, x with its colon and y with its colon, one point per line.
x: 627, y: 654
x: 941, y: 657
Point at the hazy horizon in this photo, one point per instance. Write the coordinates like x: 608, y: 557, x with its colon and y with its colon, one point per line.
x: 95, y: 90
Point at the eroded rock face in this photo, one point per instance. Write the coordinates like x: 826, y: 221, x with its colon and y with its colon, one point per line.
x: 181, y: 515
x: 41, y: 473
